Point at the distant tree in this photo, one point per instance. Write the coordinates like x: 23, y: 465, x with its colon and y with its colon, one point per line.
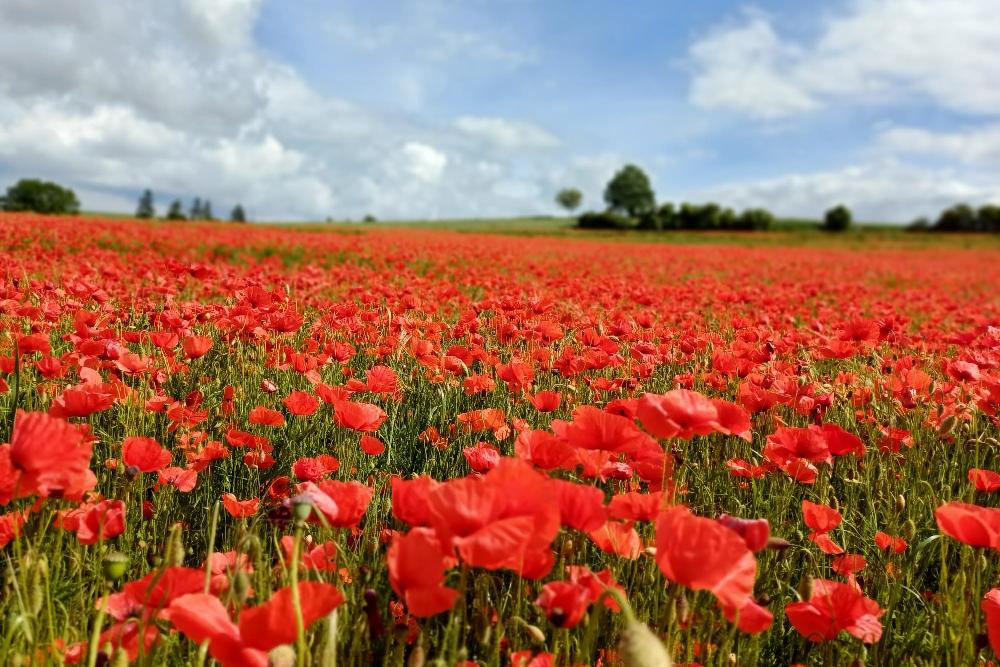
x: 837, y: 219
x: 569, y: 198
x: 921, y: 224
x: 755, y: 219
x: 667, y: 216
x: 369, y: 219
x: 146, y: 208
x: 958, y: 218
x: 176, y: 210
x: 629, y: 191
x: 32, y: 194
x: 988, y: 218
x: 603, y: 220
x: 206, y: 210
x: 195, y: 212
x: 238, y: 214
x: 727, y: 219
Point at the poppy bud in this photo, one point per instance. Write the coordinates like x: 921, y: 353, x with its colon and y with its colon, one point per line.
x: 301, y: 509
x: 173, y: 550
x: 241, y: 586
x: 639, y: 647
x: 777, y: 543
x: 683, y: 608
x: 805, y: 589
x: 114, y: 565
x: 119, y: 659
x: 281, y: 656
x: 249, y: 544
x: 418, y: 656
x: 909, y: 529
x: 947, y: 425
x: 900, y: 503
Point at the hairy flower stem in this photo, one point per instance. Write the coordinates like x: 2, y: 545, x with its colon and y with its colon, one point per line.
x: 300, y: 629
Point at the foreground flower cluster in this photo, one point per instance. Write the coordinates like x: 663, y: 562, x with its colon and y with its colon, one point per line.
x: 263, y: 446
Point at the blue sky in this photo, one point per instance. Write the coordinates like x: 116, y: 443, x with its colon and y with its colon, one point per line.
x: 436, y: 108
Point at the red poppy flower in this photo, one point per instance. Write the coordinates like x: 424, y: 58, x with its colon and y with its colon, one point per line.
x: 580, y: 506
x: 596, y: 429
x: 371, y: 445
x: 750, y: 618
x: 634, y: 506
x: 416, y: 572
x: 312, y: 468
x: 619, y: 538
x: 971, y: 524
x: 266, y: 417
x: 682, y: 413
x: 506, y: 519
x: 144, y: 454
x: 820, y: 518
x: 149, y: 596
x: 755, y: 532
x: 301, y: 404
x: 546, y: 401
x: 45, y: 456
x: 990, y: 605
x: 342, y: 504
x: 95, y: 522
x: 848, y: 564
x: 364, y: 417
x: 196, y: 346
x: 482, y: 458
x: 10, y: 527
x: 702, y: 554
x: 835, y: 607
x: 984, y: 480
x: 885, y: 541
x: 322, y: 557
x: 564, y: 602
x: 202, y: 617
x: 543, y: 449
x: 410, y: 502
x: 381, y: 380
x: 240, y: 509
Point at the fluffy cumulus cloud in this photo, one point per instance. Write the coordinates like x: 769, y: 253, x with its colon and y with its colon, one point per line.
x: 116, y: 97
x: 872, y: 50
x: 878, y: 55
x: 885, y: 190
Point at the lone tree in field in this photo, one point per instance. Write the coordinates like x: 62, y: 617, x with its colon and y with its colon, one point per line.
x: 195, y: 213
x: 569, y: 198
x: 629, y: 191
x: 146, y: 208
x: 837, y: 219
x: 206, y: 210
x: 176, y: 210
x: 238, y: 214
x: 32, y: 194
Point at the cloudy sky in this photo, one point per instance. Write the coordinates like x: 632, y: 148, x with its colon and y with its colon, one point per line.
x: 302, y: 109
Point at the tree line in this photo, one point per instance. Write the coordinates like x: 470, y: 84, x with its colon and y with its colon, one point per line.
x: 962, y: 218
x: 199, y: 210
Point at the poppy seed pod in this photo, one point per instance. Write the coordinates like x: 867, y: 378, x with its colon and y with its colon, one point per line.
x: 114, y: 565
x: 639, y: 647
x: 281, y: 656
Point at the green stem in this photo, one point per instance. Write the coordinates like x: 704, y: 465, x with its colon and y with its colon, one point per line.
x: 300, y: 626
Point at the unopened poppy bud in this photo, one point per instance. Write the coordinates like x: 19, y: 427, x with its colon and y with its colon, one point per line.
x: 777, y: 543
x: 909, y: 529
x: 947, y: 425
x: 301, y: 508
x: 250, y: 545
x: 639, y: 647
x: 805, y: 589
x: 173, y: 550
x: 683, y: 608
x: 241, y: 586
x: 114, y: 565
x: 133, y: 471
x: 535, y: 633
x: 281, y: 656
x: 900, y: 503
x: 119, y: 659
x: 418, y: 656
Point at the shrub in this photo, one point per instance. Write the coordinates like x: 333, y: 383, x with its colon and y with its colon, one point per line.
x: 837, y: 219
x: 32, y: 194
x: 604, y: 220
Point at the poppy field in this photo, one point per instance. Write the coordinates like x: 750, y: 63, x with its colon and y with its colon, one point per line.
x: 239, y: 445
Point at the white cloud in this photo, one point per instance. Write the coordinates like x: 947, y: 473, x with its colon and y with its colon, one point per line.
x: 879, y: 191
x: 506, y: 134
x: 425, y: 162
x: 969, y: 146
x: 872, y: 51
x: 176, y: 96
